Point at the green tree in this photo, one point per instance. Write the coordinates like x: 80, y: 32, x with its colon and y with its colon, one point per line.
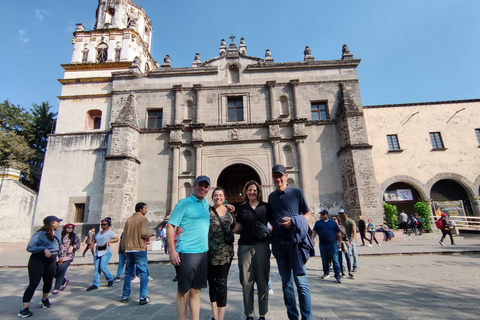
x: 391, y: 215
x: 423, y: 210
x: 15, y: 127
x: 42, y: 124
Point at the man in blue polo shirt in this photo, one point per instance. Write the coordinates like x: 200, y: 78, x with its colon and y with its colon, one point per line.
x: 285, y: 203
x: 189, y: 256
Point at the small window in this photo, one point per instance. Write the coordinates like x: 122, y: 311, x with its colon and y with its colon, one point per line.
x: 102, y: 53
x: 477, y: 132
x: 319, y: 111
x: 235, y: 109
x: 79, y: 212
x: 97, y: 122
x: 436, y: 139
x: 155, y: 118
x: 93, y: 119
x: 392, y: 140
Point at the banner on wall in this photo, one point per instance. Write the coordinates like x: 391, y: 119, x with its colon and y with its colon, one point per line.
x: 398, y: 195
x: 451, y: 208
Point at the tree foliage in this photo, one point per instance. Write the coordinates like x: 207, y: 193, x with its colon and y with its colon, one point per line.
x: 391, y: 215
x: 23, y: 139
x: 423, y: 210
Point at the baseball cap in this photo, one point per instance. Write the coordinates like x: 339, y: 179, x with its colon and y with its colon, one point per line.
x: 279, y: 168
x: 50, y: 219
x: 323, y: 212
x: 69, y: 224
x: 202, y: 178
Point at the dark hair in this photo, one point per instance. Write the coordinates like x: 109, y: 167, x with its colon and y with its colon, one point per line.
x: 71, y: 236
x: 49, y: 232
x: 248, y: 184
x: 107, y: 220
x: 139, y: 206
x: 218, y: 189
x: 337, y: 218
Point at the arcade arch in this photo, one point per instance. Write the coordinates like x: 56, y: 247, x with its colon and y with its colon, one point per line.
x: 233, y: 178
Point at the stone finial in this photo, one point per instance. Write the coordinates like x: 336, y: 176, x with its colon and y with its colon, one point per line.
x: 128, y: 114
x: 308, y: 54
x: 242, y: 46
x: 197, y: 61
x: 80, y: 27
x: 268, y: 56
x: 346, y: 55
x: 167, y: 62
x: 223, y: 48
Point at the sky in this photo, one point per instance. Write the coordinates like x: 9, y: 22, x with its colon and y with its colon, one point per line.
x: 411, y: 50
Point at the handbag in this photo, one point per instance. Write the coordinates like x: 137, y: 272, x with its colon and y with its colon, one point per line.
x: 101, y: 248
x: 228, y: 236
x: 261, y: 231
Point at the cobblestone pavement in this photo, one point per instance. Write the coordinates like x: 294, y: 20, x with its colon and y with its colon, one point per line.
x: 407, y: 284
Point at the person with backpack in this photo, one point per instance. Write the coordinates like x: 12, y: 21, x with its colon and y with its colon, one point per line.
x: 445, y: 225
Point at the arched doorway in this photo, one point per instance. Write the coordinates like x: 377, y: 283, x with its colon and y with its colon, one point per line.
x: 233, y: 178
x: 403, y: 196
x: 449, y: 190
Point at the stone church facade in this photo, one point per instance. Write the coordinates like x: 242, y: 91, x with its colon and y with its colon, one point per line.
x: 130, y: 129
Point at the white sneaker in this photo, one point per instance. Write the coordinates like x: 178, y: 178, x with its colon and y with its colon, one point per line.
x: 270, y: 291
x: 379, y: 245
x: 150, y: 278
x: 325, y: 276
x: 369, y: 245
x: 135, y: 280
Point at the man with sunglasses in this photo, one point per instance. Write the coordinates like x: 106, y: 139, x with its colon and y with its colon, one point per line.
x: 189, y: 256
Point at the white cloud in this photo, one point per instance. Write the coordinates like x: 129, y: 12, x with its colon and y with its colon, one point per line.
x: 23, y: 36
x: 39, y: 13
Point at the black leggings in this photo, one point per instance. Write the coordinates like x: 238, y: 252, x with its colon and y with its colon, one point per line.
x: 217, y: 283
x: 40, y: 267
x: 372, y: 237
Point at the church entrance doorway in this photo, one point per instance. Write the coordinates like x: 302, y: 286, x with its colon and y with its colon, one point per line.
x: 233, y: 178
x: 449, y: 190
x: 403, y: 196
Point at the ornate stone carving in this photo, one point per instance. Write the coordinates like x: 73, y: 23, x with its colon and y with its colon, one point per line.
x: 235, y: 134
x: 298, y: 129
x: 274, y: 131
x: 197, y: 135
x: 176, y: 136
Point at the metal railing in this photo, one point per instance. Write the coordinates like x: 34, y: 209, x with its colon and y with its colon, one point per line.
x: 464, y: 223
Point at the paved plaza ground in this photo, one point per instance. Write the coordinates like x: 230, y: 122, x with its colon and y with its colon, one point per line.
x: 411, y: 279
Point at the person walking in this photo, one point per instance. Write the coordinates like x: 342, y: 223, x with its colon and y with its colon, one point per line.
x: 403, y: 221
x: 253, y: 250
x: 329, y: 242
x: 189, y: 256
x: 89, y: 238
x: 351, y: 229
x: 345, y: 252
x: 135, y: 234
x: 445, y: 225
x: 44, y: 247
x: 288, y: 213
x: 362, y: 227
x: 413, y: 224
x: 103, y: 253
x: 70, y: 243
x: 220, y: 253
x: 372, y: 229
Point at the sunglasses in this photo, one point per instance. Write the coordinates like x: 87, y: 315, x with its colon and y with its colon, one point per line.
x: 69, y: 227
x: 104, y: 224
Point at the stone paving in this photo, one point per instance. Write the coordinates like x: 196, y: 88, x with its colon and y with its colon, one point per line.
x: 411, y: 279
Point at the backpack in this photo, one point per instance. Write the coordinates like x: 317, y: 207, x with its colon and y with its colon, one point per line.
x: 439, y: 223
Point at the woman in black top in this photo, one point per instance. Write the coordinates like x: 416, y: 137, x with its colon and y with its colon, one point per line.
x: 253, y: 254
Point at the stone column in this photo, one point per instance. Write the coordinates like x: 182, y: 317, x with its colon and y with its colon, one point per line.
x: 274, y: 137
x: 271, y: 86
x: 301, y: 164
x: 294, y: 85
x: 198, y: 110
x: 178, y: 112
x: 175, y: 141
x: 198, y: 159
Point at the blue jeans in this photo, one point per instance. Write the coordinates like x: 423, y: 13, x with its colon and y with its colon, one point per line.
x: 101, y: 265
x: 281, y: 252
x: 354, y: 252
x: 121, y: 264
x: 329, y: 253
x: 138, y: 259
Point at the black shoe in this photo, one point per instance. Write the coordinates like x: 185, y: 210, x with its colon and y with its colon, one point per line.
x: 110, y: 283
x: 261, y: 318
x: 175, y: 279
x: 92, y: 288
x: 354, y: 269
x: 249, y: 318
x: 124, y: 300
x: 144, y: 300
x: 25, y: 312
x: 46, y: 304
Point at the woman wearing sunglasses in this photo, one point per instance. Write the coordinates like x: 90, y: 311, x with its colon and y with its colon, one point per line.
x: 68, y: 245
x: 103, y: 253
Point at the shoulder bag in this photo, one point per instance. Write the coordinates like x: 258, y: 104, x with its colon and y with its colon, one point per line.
x: 228, y: 236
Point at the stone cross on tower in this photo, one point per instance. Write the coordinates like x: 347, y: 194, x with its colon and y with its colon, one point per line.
x: 232, y: 37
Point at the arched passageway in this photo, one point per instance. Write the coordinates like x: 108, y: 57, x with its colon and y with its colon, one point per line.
x: 233, y: 178
x: 403, y: 196
x: 450, y: 190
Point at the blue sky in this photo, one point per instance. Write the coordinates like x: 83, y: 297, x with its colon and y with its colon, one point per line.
x: 411, y: 50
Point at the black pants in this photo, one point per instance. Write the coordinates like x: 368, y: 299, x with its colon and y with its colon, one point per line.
x: 40, y: 267
x: 444, y: 234
x: 372, y: 237
x: 217, y: 283
x: 60, y: 274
